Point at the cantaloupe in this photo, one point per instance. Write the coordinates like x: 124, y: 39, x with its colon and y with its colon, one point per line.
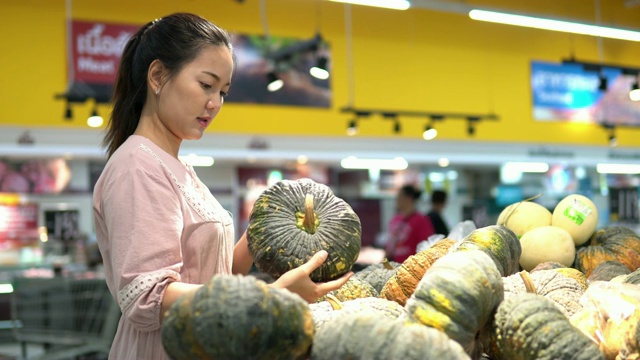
x: 546, y: 243
x: 578, y: 215
x: 524, y: 216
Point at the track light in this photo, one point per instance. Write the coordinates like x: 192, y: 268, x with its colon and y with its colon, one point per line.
x: 275, y: 83
x: 613, y: 139
x: 604, y: 83
x: 352, y: 128
x: 68, y: 113
x: 429, y: 133
x: 634, y: 94
x: 397, y: 128
x: 320, y: 70
x: 95, y: 120
x: 471, y: 125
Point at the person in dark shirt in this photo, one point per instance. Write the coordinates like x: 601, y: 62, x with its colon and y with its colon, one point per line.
x: 438, y: 202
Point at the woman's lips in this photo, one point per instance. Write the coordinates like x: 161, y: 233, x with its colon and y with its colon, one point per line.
x: 204, y: 121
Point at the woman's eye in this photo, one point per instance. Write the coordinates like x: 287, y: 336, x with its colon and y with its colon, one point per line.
x: 205, y: 85
x: 223, y: 94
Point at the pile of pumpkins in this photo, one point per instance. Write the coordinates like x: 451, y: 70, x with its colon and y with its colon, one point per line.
x: 467, y: 299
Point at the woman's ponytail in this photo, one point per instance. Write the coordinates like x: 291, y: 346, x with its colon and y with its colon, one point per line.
x: 129, y: 94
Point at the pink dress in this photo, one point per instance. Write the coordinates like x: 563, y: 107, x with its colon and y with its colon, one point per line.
x: 155, y: 223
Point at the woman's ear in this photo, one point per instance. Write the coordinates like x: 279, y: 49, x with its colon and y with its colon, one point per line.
x: 155, y: 75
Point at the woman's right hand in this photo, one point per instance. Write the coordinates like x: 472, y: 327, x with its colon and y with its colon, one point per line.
x: 298, y: 281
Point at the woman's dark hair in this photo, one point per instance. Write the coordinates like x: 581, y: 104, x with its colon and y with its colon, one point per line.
x: 411, y: 191
x: 174, y: 40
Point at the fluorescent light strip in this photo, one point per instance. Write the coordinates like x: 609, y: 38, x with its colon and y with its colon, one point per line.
x: 387, y: 4
x: 527, y: 167
x: 618, y: 168
x: 556, y: 25
x: 353, y: 162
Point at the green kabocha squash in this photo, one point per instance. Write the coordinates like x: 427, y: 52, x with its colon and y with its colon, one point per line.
x: 564, y: 291
x: 371, y: 337
x: 294, y: 219
x: 235, y: 317
x: 530, y: 327
x: 608, y: 270
x: 332, y: 308
x: 497, y: 241
x: 615, y: 243
x: 403, y: 283
x: 177, y: 334
x: 378, y: 274
x: 353, y: 289
x: 458, y: 296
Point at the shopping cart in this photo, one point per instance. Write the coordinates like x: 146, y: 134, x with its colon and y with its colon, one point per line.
x: 69, y: 317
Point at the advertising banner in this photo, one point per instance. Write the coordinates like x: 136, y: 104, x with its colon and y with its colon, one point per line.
x: 95, y: 49
x: 568, y: 92
x: 251, y: 77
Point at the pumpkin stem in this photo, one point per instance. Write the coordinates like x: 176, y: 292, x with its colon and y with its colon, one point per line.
x: 528, y: 283
x: 386, y: 264
x: 309, y: 222
x: 506, y: 218
x: 335, y: 303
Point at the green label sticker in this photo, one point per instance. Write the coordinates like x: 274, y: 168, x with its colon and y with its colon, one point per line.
x: 577, y: 211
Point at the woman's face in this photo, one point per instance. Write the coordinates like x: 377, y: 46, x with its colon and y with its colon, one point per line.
x: 190, y: 100
x: 403, y: 201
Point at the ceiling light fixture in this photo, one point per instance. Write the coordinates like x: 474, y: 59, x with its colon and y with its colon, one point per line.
x: 618, y: 168
x: 353, y: 162
x: 397, y: 127
x: 429, y: 133
x: 320, y: 70
x: 634, y: 94
x: 554, y: 25
x: 611, y: 128
x: 95, y: 120
x: 387, y: 4
x: 471, y: 125
x: 275, y: 83
x: 527, y: 167
x: 352, y: 128
x: 604, y: 83
x: 68, y: 113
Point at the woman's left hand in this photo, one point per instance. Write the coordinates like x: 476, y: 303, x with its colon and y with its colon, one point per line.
x: 298, y: 281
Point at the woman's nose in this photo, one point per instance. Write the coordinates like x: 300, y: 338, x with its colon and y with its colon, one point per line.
x: 214, y: 103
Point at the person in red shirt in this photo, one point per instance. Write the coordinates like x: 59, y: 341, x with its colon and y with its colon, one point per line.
x: 408, y: 227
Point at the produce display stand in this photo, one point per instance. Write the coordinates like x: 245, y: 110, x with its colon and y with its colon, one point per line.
x: 69, y: 317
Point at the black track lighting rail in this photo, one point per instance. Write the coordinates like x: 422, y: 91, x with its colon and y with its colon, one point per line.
x: 433, y: 115
x: 430, y: 116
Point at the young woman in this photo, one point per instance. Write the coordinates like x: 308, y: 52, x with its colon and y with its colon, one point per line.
x: 160, y: 231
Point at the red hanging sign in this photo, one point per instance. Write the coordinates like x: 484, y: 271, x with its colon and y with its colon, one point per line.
x: 96, y: 48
